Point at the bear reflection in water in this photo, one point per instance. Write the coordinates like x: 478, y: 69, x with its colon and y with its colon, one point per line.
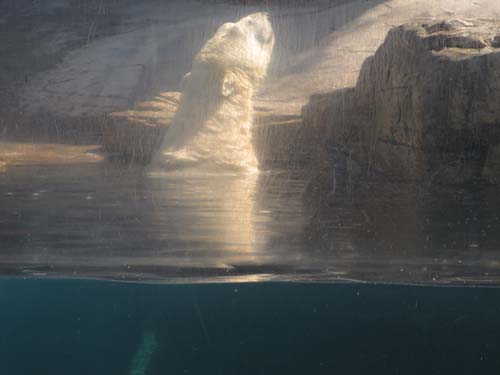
x: 214, y: 213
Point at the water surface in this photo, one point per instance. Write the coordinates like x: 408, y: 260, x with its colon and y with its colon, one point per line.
x: 107, y: 220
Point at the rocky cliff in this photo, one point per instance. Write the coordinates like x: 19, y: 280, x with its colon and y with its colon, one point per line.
x: 426, y: 104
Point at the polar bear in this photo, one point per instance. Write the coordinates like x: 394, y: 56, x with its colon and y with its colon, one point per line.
x: 214, y: 120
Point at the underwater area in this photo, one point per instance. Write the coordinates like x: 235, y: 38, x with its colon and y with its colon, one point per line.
x: 94, y: 327
x: 249, y: 187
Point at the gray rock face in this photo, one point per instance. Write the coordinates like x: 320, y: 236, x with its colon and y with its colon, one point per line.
x: 427, y: 101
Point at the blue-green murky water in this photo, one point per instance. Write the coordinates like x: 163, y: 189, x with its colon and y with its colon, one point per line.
x: 91, y: 327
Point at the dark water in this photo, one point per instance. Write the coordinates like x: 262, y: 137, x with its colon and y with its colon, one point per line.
x: 109, y: 221
x: 87, y: 327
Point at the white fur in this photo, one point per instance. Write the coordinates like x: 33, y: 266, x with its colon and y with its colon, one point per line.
x: 214, y: 119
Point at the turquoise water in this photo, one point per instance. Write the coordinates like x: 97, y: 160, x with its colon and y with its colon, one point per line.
x: 93, y: 327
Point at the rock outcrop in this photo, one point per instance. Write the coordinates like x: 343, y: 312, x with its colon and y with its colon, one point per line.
x: 426, y: 104
x: 134, y: 135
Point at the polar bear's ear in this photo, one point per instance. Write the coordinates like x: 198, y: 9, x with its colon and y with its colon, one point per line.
x: 185, y: 80
x: 228, y: 86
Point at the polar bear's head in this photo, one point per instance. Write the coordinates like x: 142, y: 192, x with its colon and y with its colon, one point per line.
x: 245, y: 45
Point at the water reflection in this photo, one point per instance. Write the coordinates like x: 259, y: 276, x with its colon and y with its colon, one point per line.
x: 106, y: 220
x: 211, y: 211
x: 411, y: 231
x: 226, y: 221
